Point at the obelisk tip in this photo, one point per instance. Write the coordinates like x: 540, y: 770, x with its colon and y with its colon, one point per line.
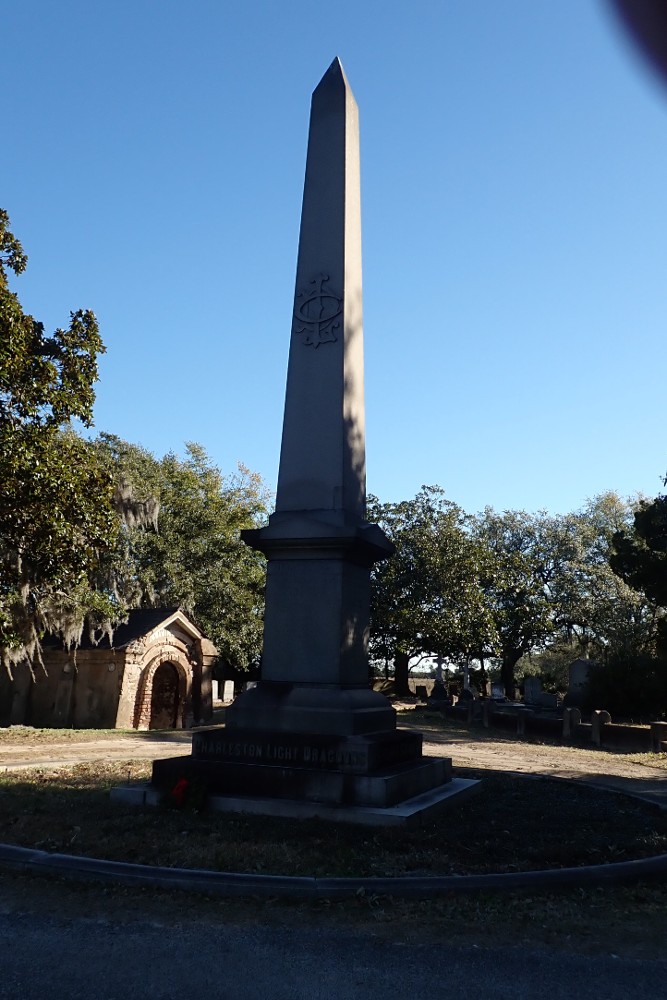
x: 334, y: 75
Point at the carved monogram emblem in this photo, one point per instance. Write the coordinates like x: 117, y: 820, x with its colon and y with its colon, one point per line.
x: 316, y: 312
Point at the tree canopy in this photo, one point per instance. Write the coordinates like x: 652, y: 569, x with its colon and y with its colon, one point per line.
x: 90, y: 530
x: 504, y: 586
x: 56, y: 513
x: 179, y: 542
x: 639, y: 556
x: 427, y: 598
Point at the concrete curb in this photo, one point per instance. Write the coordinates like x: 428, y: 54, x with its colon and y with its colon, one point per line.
x: 26, y: 859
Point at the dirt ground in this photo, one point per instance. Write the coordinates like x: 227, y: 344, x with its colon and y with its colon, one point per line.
x: 643, y: 775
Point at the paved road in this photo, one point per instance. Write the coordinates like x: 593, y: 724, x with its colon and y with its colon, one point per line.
x: 51, y: 958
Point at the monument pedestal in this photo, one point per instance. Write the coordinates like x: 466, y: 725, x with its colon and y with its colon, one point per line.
x: 288, y: 708
x: 370, y: 779
x: 376, y: 769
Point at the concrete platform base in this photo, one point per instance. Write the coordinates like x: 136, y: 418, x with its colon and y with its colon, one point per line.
x: 414, y: 811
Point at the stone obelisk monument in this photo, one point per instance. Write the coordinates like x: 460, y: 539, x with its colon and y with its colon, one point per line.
x: 313, y: 738
x: 319, y: 546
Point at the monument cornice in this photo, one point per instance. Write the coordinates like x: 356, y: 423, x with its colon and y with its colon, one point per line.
x: 363, y: 544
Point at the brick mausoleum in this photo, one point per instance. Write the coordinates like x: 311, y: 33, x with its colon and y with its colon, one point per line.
x: 155, y: 674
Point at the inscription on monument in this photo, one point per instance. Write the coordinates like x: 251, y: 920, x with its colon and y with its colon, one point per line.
x: 316, y: 312
x: 265, y: 752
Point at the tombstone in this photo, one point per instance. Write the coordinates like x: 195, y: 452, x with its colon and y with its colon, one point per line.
x: 571, y: 723
x: 439, y: 695
x: 599, y: 720
x: 532, y: 689
x: 228, y: 692
x: 523, y: 714
x: 548, y: 700
x: 535, y: 696
x: 421, y: 692
x: 215, y: 691
x: 498, y: 691
x: 658, y: 737
x: 313, y: 738
x: 578, y: 674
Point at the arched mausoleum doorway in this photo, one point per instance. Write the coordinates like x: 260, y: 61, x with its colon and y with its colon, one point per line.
x: 165, y: 698
x: 162, y: 693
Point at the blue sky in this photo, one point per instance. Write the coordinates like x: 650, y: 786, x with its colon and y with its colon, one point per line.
x: 514, y: 214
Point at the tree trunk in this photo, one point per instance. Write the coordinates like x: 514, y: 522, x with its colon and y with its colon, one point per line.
x: 510, y: 660
x: 482, y: 674
x: 401, y: 662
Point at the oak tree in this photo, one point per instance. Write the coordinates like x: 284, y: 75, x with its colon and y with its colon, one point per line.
x: 55, y: 497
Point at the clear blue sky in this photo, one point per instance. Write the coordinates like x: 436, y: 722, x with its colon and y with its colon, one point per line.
x: 514, y: 165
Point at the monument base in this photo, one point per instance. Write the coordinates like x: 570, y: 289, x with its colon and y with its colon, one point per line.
x: 419, y: 809
x: 308, y: 772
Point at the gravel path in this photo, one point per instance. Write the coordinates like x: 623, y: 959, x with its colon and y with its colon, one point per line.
x: 602, y: 768
x: 37, y: 753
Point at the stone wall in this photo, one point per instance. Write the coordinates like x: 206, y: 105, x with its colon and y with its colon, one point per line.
x: 67, y: 691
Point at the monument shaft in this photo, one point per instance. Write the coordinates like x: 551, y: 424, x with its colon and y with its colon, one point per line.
x: 322, y: 459
x: 318, y: 544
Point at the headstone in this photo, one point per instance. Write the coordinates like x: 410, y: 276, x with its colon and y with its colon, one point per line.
x: 228, y: 692
x: 522, y: 716
x: 534, y: 695
x: 439, y: 695
x: 313, y: 731
x: 215, y: 691
x: 532, y: 689
x: 548, y: 700
x: 599, y: 720
x: 578, y: 674
x: 658, y: 736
